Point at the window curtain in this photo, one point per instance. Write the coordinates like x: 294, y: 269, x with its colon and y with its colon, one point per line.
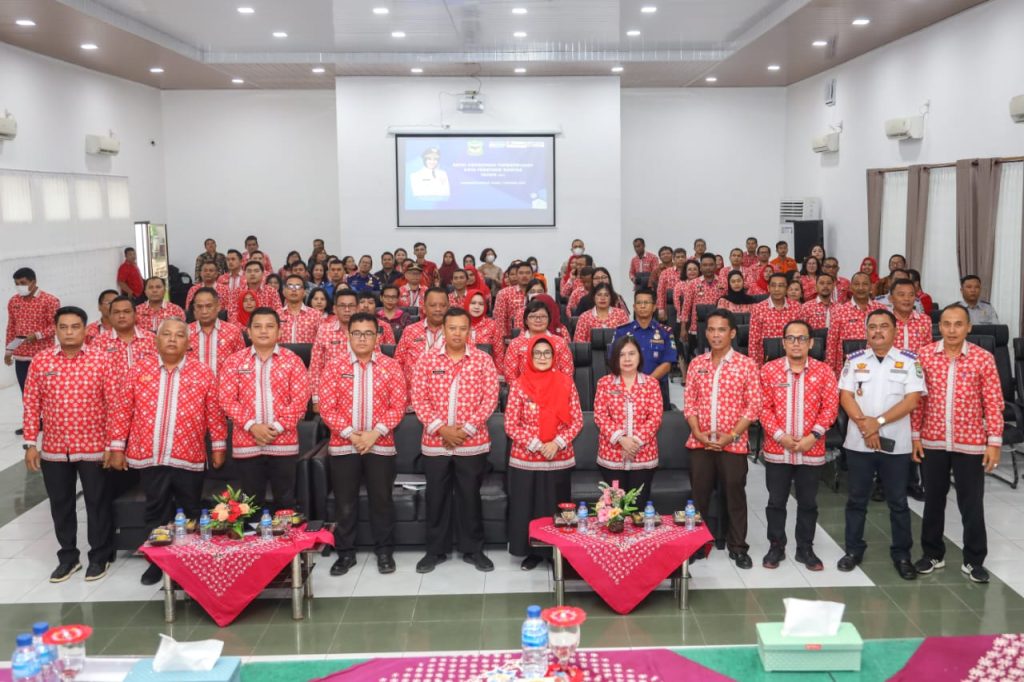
x: 977, y: 194
x: 917, y: 214
x: 876, y: 187
x: 15, y: 198
x: 893, y: 236
x: 1007, y: 283
x: 938, y: 257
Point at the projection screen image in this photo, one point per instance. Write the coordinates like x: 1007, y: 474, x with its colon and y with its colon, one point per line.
x: 475, y: 180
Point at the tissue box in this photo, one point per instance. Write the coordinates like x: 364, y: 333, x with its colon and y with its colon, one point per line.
x: 228, y: 669
x: 818, y: 654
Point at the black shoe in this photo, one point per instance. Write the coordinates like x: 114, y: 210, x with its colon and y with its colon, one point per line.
x: 905, y: 569
x: 916, y: 491
x: 153, y: 575
x: 19, y: 432
x: 775, y: 555
x: 878, y: 495
x: 742, y: 559
x: 977, y: 574
x: 531, y: 562
x: 385, y: 563
x: 64, y: 571
x: 848, y: 562
x: 430, y: 562
x: 926, y: 565
x: 697, y: 556
x: 480, y: 561
x: 808, y: 558
x: 96, y: 571
x: 343, y: 564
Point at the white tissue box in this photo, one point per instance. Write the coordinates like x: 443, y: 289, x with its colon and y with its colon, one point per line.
x: 819, y: 654
x: 228, y: 669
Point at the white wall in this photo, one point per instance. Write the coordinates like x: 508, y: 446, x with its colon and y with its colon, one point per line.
x: 252, y: 162
x: 587, y: 162
x: 704, y: 163
x: 968, y: 66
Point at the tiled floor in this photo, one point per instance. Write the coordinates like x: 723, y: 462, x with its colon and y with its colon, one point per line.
x: 457, y: 608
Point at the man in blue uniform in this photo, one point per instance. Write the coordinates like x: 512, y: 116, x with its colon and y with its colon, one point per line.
x: 657, y: 346
x: 362, y: 280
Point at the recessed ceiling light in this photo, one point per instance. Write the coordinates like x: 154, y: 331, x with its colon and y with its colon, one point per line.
x: 617, y: 69
x: 381, y: 10
x: 246, y: 10
x: 519, y: 10
x: 520, y: 69
x: 519, y: 34
x: 648, y: 9
x: 279, y: 34
x: 398, y: 34
x: 90, y: 46
x: 319, y: 69
x: 774, y: 67
x: 237, y: 81
x: 861, y: 21
x: 25, y: 22
x: 633, y: 34
x: 156, y: 69
x: 820, y: 43
x: 416, y: 69
x: 711, y: 79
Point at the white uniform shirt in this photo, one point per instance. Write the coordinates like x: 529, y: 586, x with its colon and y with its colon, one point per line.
x: 881, y: 386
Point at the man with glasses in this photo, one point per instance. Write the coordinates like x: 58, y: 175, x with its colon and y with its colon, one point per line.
x: 841, y: 291
x: 657, y: 346
x: 799, y: 402
x: 879, y: 387
x: 299, y: 322
x: 210, y: 339
x: 362, y: 400
x: 331, y: 340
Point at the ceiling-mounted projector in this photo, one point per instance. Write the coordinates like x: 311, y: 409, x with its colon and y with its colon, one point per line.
x: 471, y: 103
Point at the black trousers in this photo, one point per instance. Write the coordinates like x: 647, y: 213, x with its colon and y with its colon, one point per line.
x: 634, y: 478
x: 892, y: 470
x: 707, y: 469
x: 60, y: 479
x: 21, y: 372
x: 969, y: 475
x: 460, y: 476
x: 377, y: 473
x: 531, y: 495
x: 778, y: 478
x: 254, y: 472
x: 168, y: 488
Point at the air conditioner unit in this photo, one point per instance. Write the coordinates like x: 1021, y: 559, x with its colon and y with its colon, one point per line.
x: 8, y: 127
x: 829, y: 142
x: 799, y: 209
x: 909, y: 128
x: 1017, y: 109
x: 102, y: 144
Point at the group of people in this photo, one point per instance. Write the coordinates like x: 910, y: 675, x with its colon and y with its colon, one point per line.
x: 143, y: 389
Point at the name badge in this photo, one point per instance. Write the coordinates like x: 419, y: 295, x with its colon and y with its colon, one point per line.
x: 243, y: 371
x: 702, y: 371
x: 614, y: 392
x: 862, y: 371
x: 348, y: 376
x: 335, y: 343
x: 49, y: 374
x: 897, y: 371
x: 438, y: 371
x: 785, y: 384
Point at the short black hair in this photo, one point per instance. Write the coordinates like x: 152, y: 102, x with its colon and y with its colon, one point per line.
x: 208, y: 240
x: 966, y: 278
x: 362, y: 317
x: 254, y: 262
x: 341, y: 293
x: 643, y: 291
x: 298, y: 277
x: 663, y: 249
x: 529, y: 285
x: 435, y: 290
x: 206, y: 290
x: 104, y: 293
x: 533, y: 307
x: 880, y: 311
x: 680, y: 251
x: 483, y: 254
x: 251, y: 238
x: 126, y: 299
x: 824, y: 274
x: 805, y: 323
x: 639, y: 239
x: 332, y: 261
x: 778, y: 274
x: 70, y: 310
x: 764, y: 246
x: 586, y: 271
x: 958, y: 306
x: 207, y: 262
x: 706, y: 255
x: 726, y: 315
x: 150, y: 279
x: 386, y: 253
x: 264, y: 310
x: 25, y: 273
x: 781, y: 242
x: 915, y: 276
x: 613, y: 361
x: 235, y: 251
x: 363, y: 295
x: 127, y: 249
x: 753, y: 239
x: 902, y: 282
x: 419, y: 244
x: 388, y: 286
x: 458, y: 270
x: 454, y: 311
x: 524, y: 264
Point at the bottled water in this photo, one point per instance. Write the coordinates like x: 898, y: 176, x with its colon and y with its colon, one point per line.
x: 205, y: 531
x: 582, y: 518
x: 535, y: 644
x: 649, y: 517
x: 691, y: 515
x: 24, y: 666
x: 179, y: 525
x: 46, y: 655
x: 266, y: 526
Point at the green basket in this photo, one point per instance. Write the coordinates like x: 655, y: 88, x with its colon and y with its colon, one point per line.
x: 809, y: 654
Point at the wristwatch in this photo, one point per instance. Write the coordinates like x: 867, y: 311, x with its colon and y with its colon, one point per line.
x: 881, y: 421
x: 815, y: 435
x: 26, y: 446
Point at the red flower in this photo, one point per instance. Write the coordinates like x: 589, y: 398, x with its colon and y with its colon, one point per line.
x: 232, y: 516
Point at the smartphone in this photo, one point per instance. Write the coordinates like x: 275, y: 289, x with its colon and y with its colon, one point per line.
x: 314, y: 526
x: 887, y: 444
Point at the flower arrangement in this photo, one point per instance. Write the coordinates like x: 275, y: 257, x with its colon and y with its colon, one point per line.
x: 615, y: 504
x: 230, y: 511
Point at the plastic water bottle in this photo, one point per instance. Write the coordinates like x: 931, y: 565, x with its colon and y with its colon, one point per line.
x: 649, y: 516
x: 266, y: 526
x: 179, y: 525
x: 691, y: 515
x: 24, y: 666
x: 205, y: 531
x: 46, y: 654
x: 582, y: 518
x: 535, y: 644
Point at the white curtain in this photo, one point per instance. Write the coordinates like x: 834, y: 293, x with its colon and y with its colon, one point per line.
x: 56, y: 196
x: 939, y: 266
x: 893, y: 237
x: 118, y: 202
x: 89, y: 199
x: 15, y: 198
x: 1006, y: 270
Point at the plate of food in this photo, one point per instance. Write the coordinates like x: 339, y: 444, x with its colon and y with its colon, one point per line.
x: 160, y: 537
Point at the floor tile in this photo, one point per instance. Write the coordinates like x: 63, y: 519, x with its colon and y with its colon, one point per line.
x: 722, y: 602
x: 239, y: 639
x: 883, y: 625
x: 297, y: 638
x: 918, y: 597
x: 143, y: 641
x: 389, y: 610
x: 462, y: 635
x: 367, y: 636
x: 322, y: 610
x: 511, y: 606
x: 651, y: 631
x: 501, y: 633
x: 857, y: 599
x: 947, y: 623
x: 604, y: 633
x: 736, y: 628
x: 771, y: 602
x: 454, y: 607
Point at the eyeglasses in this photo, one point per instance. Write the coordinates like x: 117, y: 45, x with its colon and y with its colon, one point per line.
x: 294, y: 286
x: 366, y: 336
x: 802, y: 339
x: 543, y: 355
x: 537, y: 317
x: 345, y: 306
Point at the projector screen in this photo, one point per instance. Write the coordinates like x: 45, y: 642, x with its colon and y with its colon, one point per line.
x: 475, y: 180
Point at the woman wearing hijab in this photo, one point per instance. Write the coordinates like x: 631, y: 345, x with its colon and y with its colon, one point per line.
x: 243, y: 310
x: 627, y: 411
x: 539, y: 320
x: 760, y: 287
x: 869, y: 266
x: 447, y: 269
x: 736, y: 298
x: 542, y: 417
x: 475, y: 282
x: 602, y: 316
x: 484, y: 329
